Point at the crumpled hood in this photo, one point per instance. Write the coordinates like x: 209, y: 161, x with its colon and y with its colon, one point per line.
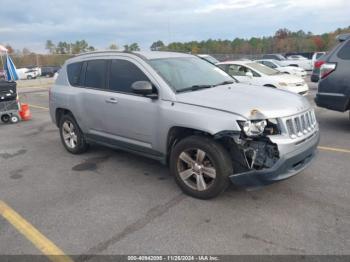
x: 242, y: 99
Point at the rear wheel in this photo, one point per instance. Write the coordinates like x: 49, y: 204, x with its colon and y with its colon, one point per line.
x: 5, y: 118
x: 201, y: 167
x: 71, y: 136
x: 29, y: 77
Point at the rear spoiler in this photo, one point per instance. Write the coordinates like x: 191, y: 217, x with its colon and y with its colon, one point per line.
x: 343, y: 37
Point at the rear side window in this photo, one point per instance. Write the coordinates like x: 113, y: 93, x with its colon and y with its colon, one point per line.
x: 73, y: 71
x: 122, y: 74
x: 95, y: 76
x: 344, y: 52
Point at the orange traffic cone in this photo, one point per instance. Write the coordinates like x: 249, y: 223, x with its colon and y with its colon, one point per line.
x: 25, y: 112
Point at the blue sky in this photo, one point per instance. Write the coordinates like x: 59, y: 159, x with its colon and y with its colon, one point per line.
x: 30, y: 23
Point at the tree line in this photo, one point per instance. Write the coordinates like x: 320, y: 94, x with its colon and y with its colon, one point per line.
x: 283, y: 41
x: 81, y: 46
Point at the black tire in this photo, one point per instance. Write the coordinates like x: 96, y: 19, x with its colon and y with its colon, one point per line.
x: 81, y: 145
x: 5, y: 118
x: 215, y: 153
x: 29, y: 77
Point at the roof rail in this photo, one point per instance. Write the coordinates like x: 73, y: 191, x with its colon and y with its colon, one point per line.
x: 111, y: 51
x: 343, y: 37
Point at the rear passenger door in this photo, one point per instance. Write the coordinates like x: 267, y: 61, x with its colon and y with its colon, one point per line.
x: 93, y: 95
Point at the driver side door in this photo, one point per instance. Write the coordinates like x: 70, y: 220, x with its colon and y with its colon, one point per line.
x: 131, y: 118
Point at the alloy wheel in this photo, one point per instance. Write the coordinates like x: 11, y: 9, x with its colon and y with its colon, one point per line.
x: 69, y: 134
x: 196, y: 169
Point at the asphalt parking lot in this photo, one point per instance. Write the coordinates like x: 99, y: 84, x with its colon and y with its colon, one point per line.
x: 111, y: 202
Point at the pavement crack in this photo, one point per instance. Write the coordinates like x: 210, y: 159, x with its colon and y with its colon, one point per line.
x: 139, y: 224
x: 248, y: 236
x: 6, y: 155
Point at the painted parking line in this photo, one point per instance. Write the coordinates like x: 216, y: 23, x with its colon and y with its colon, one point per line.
x: 33, y: 235
x: 334, y: 149
x: 39, y: 107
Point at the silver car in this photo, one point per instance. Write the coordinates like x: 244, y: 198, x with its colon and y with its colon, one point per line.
x: 187, y: 113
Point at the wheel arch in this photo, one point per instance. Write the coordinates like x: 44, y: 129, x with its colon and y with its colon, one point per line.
x: 61, y: 112
x: 177, y: 133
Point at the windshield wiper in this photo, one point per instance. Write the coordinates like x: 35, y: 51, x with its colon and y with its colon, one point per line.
x: 195, y: 87
x: 224, y: 83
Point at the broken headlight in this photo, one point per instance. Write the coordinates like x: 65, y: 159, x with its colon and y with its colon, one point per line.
x: 253, y: 128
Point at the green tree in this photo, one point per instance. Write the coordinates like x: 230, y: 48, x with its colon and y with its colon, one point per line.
x: 80, y: 46
x: 158, y: 45
x: 50, y: 46
x: 134, y: 47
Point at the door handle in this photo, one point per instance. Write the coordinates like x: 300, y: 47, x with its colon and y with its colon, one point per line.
x: 111, y: 100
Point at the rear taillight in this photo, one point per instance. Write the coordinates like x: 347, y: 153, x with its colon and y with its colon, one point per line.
x: 327, y: 69
x: 318, y: 63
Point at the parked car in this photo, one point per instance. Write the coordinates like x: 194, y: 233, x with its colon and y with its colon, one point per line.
x: 2, y: 74
x: 315, y: 75
x: 334, y: 85
x: 296, y: 57
x: 301, y: 61
x: 49, y: 71
x: 274, y: 64
x: 25, y: 73
x: 253, y: 73
x: 316, y: 56
x: 209, y: 58
x: 278, y: 57
x: 307, y: 55
x: 187, y: 113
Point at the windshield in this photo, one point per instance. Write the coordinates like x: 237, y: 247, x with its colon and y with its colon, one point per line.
x: 277, y: 63
x: 182, y: 73
x: 263, y: 69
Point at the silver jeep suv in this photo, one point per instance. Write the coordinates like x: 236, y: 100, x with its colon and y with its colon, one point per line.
x: 187, y: 113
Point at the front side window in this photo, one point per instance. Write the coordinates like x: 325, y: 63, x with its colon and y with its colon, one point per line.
x: 73, y: 71
x: 184, y: 72
x: 95, y: 76
x: 123, y: 74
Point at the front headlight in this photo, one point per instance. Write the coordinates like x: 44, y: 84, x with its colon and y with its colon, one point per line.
x: 254, y: 127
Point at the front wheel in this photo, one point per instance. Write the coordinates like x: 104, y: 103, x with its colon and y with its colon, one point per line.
x: 201, y: 167
x: 71, y: 136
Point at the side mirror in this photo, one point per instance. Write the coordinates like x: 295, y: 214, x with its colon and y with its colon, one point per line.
x: 249, y: 74
x: 144, y: 88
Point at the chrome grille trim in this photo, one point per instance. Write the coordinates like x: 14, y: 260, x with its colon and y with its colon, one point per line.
x: 301, y: 124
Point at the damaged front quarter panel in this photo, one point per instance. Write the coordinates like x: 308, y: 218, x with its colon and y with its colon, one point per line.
x: 249, y: 153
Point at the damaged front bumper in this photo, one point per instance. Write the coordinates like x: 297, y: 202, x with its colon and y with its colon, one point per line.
x: 289, y: 164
